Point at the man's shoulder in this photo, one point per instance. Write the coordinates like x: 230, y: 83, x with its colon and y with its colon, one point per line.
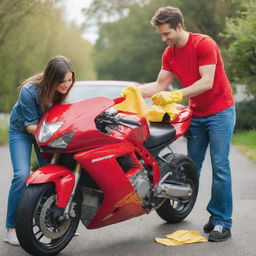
x: 199, y: 39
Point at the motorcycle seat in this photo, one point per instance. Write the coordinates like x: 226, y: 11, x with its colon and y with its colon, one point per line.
x: 159, y: 133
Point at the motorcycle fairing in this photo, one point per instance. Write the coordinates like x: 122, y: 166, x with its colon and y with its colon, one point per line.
x: 120, y: 198
x: 63, y: 178
x: 80, y: 119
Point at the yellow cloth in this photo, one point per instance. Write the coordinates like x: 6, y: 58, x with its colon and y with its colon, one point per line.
x: 135, y: 103
x: 181, y: 237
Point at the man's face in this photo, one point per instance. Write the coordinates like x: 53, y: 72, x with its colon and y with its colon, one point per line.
x: 169, y: 35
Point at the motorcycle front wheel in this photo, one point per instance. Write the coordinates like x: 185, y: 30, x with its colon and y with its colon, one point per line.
x: 174, y: 211
x: 38, y: 229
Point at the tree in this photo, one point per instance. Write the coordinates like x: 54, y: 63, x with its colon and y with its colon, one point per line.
x: 242, y: 49
x: 38, y: 36
x: 128, y: 47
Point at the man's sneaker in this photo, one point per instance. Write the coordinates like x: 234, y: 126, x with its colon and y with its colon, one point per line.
x: 208, y: 227
x: 219, y: 233
x: 11, y: 238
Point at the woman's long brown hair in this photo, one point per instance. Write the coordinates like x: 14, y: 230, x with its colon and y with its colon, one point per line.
x: 53, y: 75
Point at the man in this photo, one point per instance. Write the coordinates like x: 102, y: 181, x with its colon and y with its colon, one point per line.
x: 195, y: 60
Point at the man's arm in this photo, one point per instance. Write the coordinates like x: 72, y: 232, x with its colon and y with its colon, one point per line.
x: 164, y: 79
x: 205, y: 83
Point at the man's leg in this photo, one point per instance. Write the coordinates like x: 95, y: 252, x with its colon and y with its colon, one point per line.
x: 221, y: 126
x: 197, y: 142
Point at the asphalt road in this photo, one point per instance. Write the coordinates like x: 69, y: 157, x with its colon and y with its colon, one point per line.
x: 136, y: 237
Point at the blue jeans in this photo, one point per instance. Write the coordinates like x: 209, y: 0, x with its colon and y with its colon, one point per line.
x: 20, y: 144
x: 216, y: 131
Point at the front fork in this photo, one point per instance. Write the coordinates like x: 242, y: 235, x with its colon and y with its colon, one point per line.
x: 68, y: 211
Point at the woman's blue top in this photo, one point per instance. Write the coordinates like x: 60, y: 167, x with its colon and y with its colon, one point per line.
x: 27, y: 110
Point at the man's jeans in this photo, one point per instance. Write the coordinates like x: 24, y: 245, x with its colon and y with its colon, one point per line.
x: 215, y: 130
x: 20, y: 144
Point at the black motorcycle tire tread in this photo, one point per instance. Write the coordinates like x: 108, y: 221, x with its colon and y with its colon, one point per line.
x: 24, y: 216
x: 165, y: 211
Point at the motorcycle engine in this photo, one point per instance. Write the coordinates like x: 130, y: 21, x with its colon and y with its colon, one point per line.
x: 141, y: 183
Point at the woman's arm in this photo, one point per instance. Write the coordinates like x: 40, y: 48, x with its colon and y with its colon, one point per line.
x: 31, y: 129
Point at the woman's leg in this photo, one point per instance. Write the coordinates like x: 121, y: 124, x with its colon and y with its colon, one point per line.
x: 20, y: 149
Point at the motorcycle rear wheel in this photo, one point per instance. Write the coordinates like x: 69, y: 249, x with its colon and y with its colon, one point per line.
x: 174, y: 211
x: 38, y: 232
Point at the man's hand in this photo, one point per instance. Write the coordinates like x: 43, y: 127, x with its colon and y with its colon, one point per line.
x: 163, y: 98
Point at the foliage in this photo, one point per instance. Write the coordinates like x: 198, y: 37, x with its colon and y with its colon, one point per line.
x: 245, y: 115
x: 246, y: 142
x: 101, y: 12
x: 128, y: 47
x: 242, y: 50
x: 31, y: 33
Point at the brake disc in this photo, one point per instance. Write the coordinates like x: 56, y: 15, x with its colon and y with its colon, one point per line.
x: 49, y: 229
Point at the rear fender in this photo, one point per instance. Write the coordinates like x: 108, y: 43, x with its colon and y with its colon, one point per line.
x: 63, y: 178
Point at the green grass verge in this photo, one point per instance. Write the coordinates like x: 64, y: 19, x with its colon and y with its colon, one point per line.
x: 3, y: 135
x: 246, y: 142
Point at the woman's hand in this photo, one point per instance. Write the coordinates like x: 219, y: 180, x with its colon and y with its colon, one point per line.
x: 31, y: 129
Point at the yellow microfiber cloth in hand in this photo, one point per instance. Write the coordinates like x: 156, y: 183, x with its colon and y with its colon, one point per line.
x: 135, y: 103
x: 180, y: 237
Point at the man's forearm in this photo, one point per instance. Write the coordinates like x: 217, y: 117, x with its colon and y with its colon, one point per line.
x: 197, y: 88
x: 150, y: 89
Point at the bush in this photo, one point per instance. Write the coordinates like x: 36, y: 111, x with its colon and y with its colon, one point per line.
x: 246, y: 117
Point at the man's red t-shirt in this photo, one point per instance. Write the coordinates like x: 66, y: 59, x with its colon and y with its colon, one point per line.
x: 184, y: 63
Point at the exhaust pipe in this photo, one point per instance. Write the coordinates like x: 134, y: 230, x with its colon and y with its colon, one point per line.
x: 173, y: 191
x: 168, y: 190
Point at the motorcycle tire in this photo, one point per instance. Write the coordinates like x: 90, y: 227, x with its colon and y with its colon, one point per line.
x: 38, y: 232
x: 174, y: 211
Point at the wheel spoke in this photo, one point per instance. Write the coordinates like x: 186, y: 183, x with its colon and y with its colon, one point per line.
x: 40, y: 237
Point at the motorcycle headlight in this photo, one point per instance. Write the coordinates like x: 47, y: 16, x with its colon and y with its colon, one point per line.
x: 47, y: 130
x: 62, y: 141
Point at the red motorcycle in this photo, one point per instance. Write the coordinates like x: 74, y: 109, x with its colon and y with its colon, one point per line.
x: 107, y: 167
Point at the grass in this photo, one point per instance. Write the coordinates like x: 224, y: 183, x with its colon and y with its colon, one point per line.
x: 246, y: 142
x: 3, y: 135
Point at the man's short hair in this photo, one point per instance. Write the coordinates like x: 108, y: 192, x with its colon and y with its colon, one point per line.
x: 168, y: 15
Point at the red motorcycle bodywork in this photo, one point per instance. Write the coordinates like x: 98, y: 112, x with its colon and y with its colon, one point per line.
x: 62, y: 177
x: 97, y: 152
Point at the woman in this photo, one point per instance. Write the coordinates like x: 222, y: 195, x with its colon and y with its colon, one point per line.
x: 37, y: 95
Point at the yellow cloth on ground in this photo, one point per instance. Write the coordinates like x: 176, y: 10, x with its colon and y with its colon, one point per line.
x: 135, y: 103
x: 181, y: 237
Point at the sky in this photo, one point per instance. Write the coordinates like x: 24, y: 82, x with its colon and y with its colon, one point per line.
x: 73, y: 13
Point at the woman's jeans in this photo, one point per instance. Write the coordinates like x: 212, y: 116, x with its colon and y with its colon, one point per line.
x: 20, y: 144
x: 215, y: 131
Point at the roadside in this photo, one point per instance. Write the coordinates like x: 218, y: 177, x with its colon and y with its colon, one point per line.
x: 4, y: 121
x: 245, y: 141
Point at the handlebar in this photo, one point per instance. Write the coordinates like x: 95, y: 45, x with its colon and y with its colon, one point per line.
x: 127, y: 121
x: 118, y: 120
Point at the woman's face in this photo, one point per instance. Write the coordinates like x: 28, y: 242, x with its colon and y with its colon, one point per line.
x: 65, y: 84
